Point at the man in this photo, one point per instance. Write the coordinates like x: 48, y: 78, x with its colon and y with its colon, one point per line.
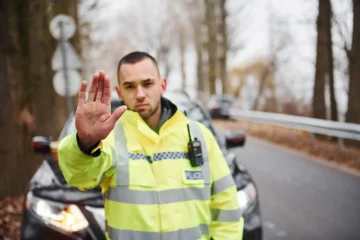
x: 139, y: 155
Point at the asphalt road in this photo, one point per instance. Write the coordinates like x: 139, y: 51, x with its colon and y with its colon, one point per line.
x: 301, y: 198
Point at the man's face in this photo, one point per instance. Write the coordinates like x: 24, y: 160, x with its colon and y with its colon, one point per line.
x: 140, y: 87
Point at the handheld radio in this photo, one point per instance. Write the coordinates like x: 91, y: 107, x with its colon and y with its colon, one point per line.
x: 195, y: 151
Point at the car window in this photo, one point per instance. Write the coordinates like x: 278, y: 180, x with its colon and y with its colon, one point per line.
x: 69, y: 126
x: 226, y: 102
x: 193, y: 111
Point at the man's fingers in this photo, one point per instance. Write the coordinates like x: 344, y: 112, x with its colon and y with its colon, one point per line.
x: 82, y: 93
x: 116, y: 115
x: 100, y: 89
x: 107, y: 92
x: 93, y: 87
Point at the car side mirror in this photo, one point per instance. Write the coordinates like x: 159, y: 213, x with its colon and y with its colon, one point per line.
x: 235, y: 139
x: 41, y: 144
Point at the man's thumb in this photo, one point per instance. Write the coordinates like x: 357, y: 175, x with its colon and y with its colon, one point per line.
x: 117, y: 114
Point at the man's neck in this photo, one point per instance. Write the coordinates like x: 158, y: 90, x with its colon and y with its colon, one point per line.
x: 154, y: 120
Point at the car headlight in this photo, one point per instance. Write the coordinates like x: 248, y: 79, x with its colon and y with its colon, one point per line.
x: 247, y: 198
x: 66, y: 217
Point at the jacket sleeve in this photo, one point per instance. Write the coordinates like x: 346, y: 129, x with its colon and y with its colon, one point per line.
x: 86, y: 171
x: 227, y: 222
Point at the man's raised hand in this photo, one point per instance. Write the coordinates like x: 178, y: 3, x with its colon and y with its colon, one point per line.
x: 94, y: 120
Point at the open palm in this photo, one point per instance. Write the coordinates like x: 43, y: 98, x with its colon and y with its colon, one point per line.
x: 94, y: 120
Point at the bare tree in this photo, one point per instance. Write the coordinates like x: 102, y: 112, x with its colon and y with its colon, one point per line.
x: 239, y: 74
x: 342, y: 58
x: 238, y: 13
x: 197, y: 25
x: 181, y: 11
x: 256, y: 78
x: 333, y: 102
x: 231, y: 18
x: 182, y: 50
x: 210, y: 16
x: 36, y: 108
x: 224, y: 46
x: 265, y: 78
x: 353, y: 112
x: 322, y: 66
x: 8, y: 138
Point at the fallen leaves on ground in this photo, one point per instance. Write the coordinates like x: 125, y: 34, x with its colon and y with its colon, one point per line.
x: 321, y: 147
x: 10, y: 217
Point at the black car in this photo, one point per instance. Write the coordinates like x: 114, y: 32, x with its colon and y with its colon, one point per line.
x: 219, y: 106
x: 55, y: 210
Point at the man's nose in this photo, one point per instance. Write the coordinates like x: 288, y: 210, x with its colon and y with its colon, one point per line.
x: 140, y: 93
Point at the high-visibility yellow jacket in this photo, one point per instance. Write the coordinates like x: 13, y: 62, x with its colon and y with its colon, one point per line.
x: 151, y: 190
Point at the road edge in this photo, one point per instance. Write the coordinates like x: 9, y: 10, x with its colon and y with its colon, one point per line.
x: 317, y: 159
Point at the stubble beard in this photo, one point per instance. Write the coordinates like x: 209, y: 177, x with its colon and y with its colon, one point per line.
x: 148, y: 114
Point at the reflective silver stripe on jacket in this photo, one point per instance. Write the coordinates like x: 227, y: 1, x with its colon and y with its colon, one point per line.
x: 126, y: 195
x: 122, y: 171
x: 222, y: 184
x: 113, y: 163
x: 197, y: 133
x: 223, y: 215
x: 114, y: 158
x: 189, y: 233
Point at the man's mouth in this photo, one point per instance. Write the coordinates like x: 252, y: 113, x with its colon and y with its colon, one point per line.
x: 141, y: 106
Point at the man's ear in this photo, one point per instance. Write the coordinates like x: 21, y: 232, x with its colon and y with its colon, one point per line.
x: 117, y: 88
x: 163, y: 85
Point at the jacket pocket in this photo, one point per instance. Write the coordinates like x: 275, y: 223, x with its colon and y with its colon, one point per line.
x: 194, y: 176
x: 140, y: 174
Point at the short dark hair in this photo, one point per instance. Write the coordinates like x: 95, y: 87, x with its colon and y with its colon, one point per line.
x: 135, y: 57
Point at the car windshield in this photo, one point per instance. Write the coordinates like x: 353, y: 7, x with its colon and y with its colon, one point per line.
x: 69, y: 126
x: 193, y: 111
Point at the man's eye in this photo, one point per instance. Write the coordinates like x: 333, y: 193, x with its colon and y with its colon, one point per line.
x: 148, y: 84
x: 129, y: 87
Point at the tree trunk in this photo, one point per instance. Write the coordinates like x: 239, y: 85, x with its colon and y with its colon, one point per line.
x: 210, y: 8
x: 167, y: 66
x: 40, y: 85
x: 8, y: 147
x: 319, y: 107
x: 199, y: 61
x: 223, y: 48
x: 353, y: 112
x: 21, y: 163
x: 34, y: 107
x: 333, y: 102
x: 182, y: 46
x: 196, y: 9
